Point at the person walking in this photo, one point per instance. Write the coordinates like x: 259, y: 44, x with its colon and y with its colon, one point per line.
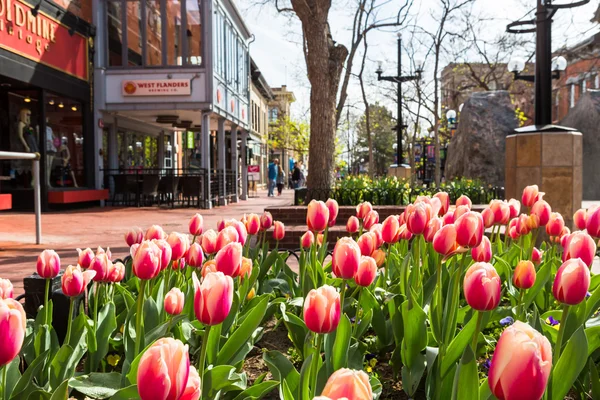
x: 280, y: 179
x: 272, y: 176
x: 296, y: 176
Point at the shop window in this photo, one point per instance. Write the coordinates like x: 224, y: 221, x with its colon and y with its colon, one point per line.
x: 134, y: 33
x: 173, y: 22
x: 193, y: 32
x: 115, y: 32
x: 153, y: 33
x: 274, y: 114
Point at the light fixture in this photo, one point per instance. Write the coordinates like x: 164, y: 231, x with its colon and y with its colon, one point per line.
x: 35, y: 10
x: 516, y: 65
x: 169, y: 147
x: 379, y: 67
x: 450, y: 115
x: 27, y: 99
x: 559, y: 63
x: 51, y: 102
x: 74, y: 108
x: 460, y: 107
x: 138, y: 145
x: 61, y: 105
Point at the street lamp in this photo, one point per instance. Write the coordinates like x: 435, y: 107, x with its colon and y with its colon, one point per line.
x: 451, y: 117
x: 516, y: 66
x: 399, y: 79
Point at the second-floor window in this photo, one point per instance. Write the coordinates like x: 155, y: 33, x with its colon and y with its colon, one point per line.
x: 572, y: 95
x: 273, y: 114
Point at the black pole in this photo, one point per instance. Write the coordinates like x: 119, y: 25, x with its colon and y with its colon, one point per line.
x: 543, y: 61
x: 399, y: 127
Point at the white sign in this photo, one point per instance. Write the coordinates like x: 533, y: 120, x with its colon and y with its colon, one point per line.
x: 253, y: 172
x: 158, y: 87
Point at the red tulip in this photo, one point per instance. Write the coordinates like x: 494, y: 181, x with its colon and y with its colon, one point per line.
x: 352, y: 225
x: 542, y: 210
x: 252, y: 224
x: 390, y: 229
x: 488, y: 217
x: 580, y: 245
x: 163, y: 370
x: 483, y: 252
x: 213, y: 298
x: 482, y: 287
x: 307, y: 239
x: 444, y: 241
x: 464, y: 201
x: 85, y: 257
x: 367, y: 271
x: 531, y: 195
x: 522, y: 225
x: 514, y: 207
x: 147, y: 261
x: 195, y: 226
x: 348, y: 384
x: 524, y: 275
x: 174, y: 301
x: 12, y: 330
x: 155, y: 232
x: 166, y: 254
x: 116, y: 272
x: 592, y: 224
x: 74, y: 281
x: 279, y: 231
x: 322, y: 309
x: 501, y: 212
x: 448, y: 218
x: 195, y: 257
x: 180, y: 244
x: 376, y: 230
x: 536, y: 256
x: 363, y: 209
x: 208, y: 267
x: 240, y: 228
x: 334, y: 208
x: 266, y: 220
x: 367, y: 243
x: 48, y: 264
x: 225, y: 236
x: 555, y: 224
x: 102, y: 265
x: 192, y: 389
x: 6, y: 289
x: 433, y: 226
x: 460, y: 210
x: 209, y: 242
x: 444, y: 202
x: 133, y: 236
x: 580, y: 219
x: 469, y: 229
x: 418, y: 217
x: 572, y: 282
x: 317, y: 216
x: 346, y: 257
x: 220, y: 225
x: 229, y: 259
x: 404, y: 233
x: 370, y: 219
x: 521, y: 364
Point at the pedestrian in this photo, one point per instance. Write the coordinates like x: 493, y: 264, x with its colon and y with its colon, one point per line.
x: 280, y: 180
x: 272, y: 176
x: 296, y: 176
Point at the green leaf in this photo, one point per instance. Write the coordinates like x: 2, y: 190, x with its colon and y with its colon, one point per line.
x: 296, y: 328
x: 97, y: 385
x: 458, y: 345
x: 257, y: 391
x: 411, y: 377
x: 595, y: 379
x: 63, y: 365
x: 25, y: 386
x: 592, y: 303
x: 219, y: 378
x: 466, y: 380
x: 107, y: 323
x: 415, y: 332
x: 343, y: 334
x: 39, y: 395
x: 62, y: 392
x: 151, y: 314
x: 12, y: 376
x: 214, y: 341
x: 304, y: 386
x: 241, y: 335
x: 485, y: 393
x: 593, y: 337
x: 282, y: 370
x: 161, y: 330
x: 127, y: 393
x: 572, y: 361
x: 541, y: 278
x: 363, y: 324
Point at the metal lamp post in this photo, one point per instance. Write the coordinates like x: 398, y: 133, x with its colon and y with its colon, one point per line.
x: 399, y: 79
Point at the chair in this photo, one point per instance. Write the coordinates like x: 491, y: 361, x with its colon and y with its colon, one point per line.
x: 168, y: 189
x: 121, y: 188
x: 149, y: 188
x: 190, y: 189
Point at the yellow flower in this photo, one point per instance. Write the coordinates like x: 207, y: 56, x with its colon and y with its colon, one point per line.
x: 113, y: 359
x: 369, y: 369
x: 373, y: 362
x: 251, y: 295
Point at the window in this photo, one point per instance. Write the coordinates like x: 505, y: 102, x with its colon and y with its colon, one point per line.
x: 193, y: 33
x: 583, y: 87
x: 273, y: 114
x: 173, y: 21
x: 597, y: 81
x: 115, y: 32
x: 572, y: 96
x: 134, y: 33
x: 153, y: 33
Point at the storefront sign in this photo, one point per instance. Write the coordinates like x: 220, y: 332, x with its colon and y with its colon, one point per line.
x: 42, y: 39
x: 157, y: 87
x: 190, y: 140
x: 254, y: 172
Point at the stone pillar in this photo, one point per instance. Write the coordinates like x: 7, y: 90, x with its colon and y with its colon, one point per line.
x: 222, y: 170
x: 161, y: 151
x: 243, y: 150
x: 113, y: 155
x: 234, y: 163
x: 205, y: 151
x: 551, y: 159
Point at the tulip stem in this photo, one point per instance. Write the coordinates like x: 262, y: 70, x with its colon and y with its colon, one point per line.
x: 521, y: 313
x: 561, y: 333
x: 202, y: 359
x: 46, y: 295
x: 138, y: 317
x: 69, y: 321
x: 476, y: 333
x: 315, y: 363
x: 5, y: 382
x: 440, y: 305
x: 342, y: 295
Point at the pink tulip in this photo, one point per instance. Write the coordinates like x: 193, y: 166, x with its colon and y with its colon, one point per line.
x: 367, y: 271
x: 166, y: 254
x: 180, y: 245
x: 572, y: 282
x: 370, y: 219
x: 542, y: 210
x: 580, y: 245
x: 514, y: 207
x: 363, y: 209
x: 469, y: 229
x: 209, y: 266
x: 448, y: 218
x: 116, y: 272
x: 213, y: 298
x: 12, y: 330
x: 376, y: 230
x: 133, y: 236
x: 246, y: 268
x: 6, y: 289
x: 100, y: 250
x: 524, y: 275
x: 348, y: 384
x: 531, y: 195
x: 101, y: 265
x: 240, y: 228
x: 464, y: 201
x: 592, y: 224
x: 367, y: 243
x: 252, y: 224
x: 402, y: 218
x: 279, y: 230
x: 444, y: 202
x: 192, y: 389
x: 229, y: 259
x: 536, y: 256
x: 418, y: 217
x: 522, y: 225
x: 460, y: 210
x: 163, y: 370
x: 322, y: 309
x: 195, y: 226
x: 521, y: 364
x: 220, y: 225
x: 307, y: 240
x: 174, y: 301
x: 225, y: 236
x: 155, y: 232
x: 352, y: 225
x: 390, y: 230
x: 147, y: 261
x: 195, y: 257
x: 482, y: 287
x: 85, y: 257
x: 555, y: 224
x: 501, y: 212
x: 379, y: 257
x: 404, y: 233
x: 488, y: 217
x: 317, y: 216
x: 483, y: 252
x: 334, y: 208
x: 580, y: 219
x: 48, y: 264
x: 209, y: 241
x: 266, y: 220
x: 346, y: 257
x: 434, y: 225
x: 74, y: 281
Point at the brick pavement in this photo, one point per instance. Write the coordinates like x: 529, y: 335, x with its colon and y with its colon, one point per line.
x: 67, y: 230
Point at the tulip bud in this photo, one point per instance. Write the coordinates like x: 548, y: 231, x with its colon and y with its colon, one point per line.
x: 580, y: 219
x: 6, y: 289
x: 317, y: 216
x: 229, y: 259
x: 155, y: 232
x: 444, y: 202
x: 555, y: 224
x: 192, y: 389
x: 195, y: 257
x: 514, y: 207
x: 542, y: 210
x: 225, y: 236
x: 402, y: 218
x: 266, y: 220
x: 363, y: 209
x: 390, y: 230
x: 352, y: 225
x: 536, y: 256
x: 444, y: 241
x: 213, y: 298
x: 85, y: 257
x: 483, y: 252
x: 252, y: 224
x: 418, y: 217
x: 12, y: 330
x: 522, y: 225
x: 460, y: 210
x: 334, y: 208
x: 488, y: 217
x: 367, y: 243
x: 101, y: 265
x: 572, y: 282
x: 469, y: 229
x: 174, y: 301
x: 180, y: 245
x: 348, y: 384
x: 379, y: 257
x: 133, y: 236
x: 521, y: 364
x: 580, y: 245
x: 147, y: 261
x: 246, y: 268
x: 251, y: 294
x: 195, y: 226
x: 434, y: 225
x: 163, y: 370
x: 307, y: 240
x: 370, y: 219
x: 501, y: 212
x: 279, y: 231
x: 166, y: 254
x: 524, y: 275
x: 209, y: 242
x: 404, y: 233
x: 531, y: 195
x: 367, y: 271
x: 346, y: 257
x: 48, y: 264
x: 74, y: 281
x: 322, y: 309
x: 116, y: 272
x: 592, y: 224
x: 464, y: 201
x: 208, y: 267
x: 376, y: 230
x: 482, y: 287
x: 319, y: 239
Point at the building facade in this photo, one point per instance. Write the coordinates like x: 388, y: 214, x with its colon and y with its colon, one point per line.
x: 280, y: 134
x: 260, y: 97
x: 172, y: 93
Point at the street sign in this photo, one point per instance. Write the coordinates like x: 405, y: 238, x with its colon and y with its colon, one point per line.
x: 254, y: 172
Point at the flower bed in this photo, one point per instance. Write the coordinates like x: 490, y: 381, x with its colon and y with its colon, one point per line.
x: 419, y: 305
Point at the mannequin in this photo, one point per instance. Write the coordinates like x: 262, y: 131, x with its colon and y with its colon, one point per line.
x: 65, y: 155
x: 50, y: 151
x: 26, y: 132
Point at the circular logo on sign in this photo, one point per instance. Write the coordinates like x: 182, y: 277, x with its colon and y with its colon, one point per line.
x: 129, y: 87
x: 219, y: 96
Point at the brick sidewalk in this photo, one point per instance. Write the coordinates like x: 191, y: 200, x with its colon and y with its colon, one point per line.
x: 65, y: 231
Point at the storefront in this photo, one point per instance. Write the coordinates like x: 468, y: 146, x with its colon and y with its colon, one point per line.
x: 46, y: 102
